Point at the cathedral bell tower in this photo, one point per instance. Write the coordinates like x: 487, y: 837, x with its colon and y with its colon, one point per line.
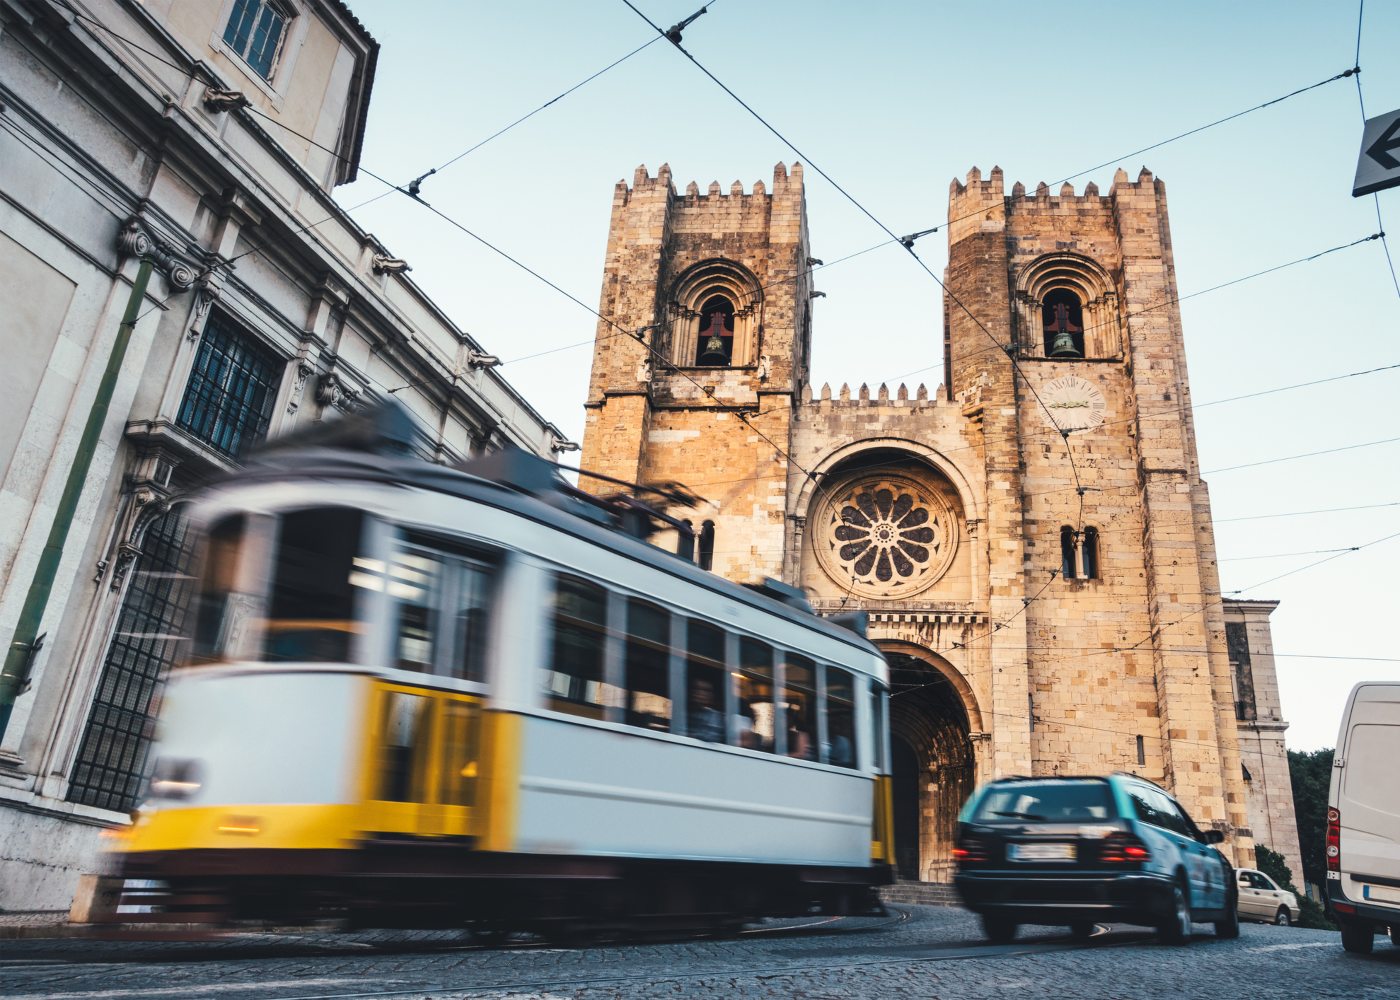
x: 1063, y: 342
x: 703, y: 355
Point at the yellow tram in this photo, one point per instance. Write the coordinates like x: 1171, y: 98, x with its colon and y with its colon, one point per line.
x: 432, y: 696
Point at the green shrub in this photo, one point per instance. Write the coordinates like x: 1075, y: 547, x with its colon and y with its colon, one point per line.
x: 1311, y: 913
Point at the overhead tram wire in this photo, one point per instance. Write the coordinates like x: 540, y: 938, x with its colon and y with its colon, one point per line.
x: 195, y: 68
x: 1182, y: 298
x: 1355, y: 71
x: 1176, y: 408
x: 1156, y: 631
x: 1361, y: 101
x: 908, y: 243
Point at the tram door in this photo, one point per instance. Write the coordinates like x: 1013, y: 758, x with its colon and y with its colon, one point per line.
x: 424, y: 762
x: 906, y: 809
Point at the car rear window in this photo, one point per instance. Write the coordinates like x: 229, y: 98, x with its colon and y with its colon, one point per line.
x: 1045, y: 801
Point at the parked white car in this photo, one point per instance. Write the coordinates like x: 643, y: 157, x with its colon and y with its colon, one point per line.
x: 1363, y: 818
x: 1262, y: 899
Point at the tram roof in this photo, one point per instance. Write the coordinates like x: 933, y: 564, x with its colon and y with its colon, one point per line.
x: 379, y: 446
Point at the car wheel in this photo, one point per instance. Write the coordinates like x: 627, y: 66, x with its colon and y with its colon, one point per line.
x: 999, y: 930
x: 1176, y: 925
x: 1281, y: 918
x: 1082, y: 930
x: 1395, y: 935
x: 1228, y: 926
x: 1357, y: 937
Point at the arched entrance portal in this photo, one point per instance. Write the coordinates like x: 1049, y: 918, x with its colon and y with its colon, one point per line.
x: 933, y: 765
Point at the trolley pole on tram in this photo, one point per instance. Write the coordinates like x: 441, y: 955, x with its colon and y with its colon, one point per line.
x: 26, y: 642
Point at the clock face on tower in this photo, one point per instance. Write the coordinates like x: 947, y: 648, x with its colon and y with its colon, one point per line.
x: 1074, y: 403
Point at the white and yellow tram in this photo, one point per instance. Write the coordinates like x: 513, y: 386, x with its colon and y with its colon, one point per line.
x: 430, y: 696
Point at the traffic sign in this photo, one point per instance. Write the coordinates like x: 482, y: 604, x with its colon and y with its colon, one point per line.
x: 1379, y: 166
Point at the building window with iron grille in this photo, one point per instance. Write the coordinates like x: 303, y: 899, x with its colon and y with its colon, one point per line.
x: 255, y: 31
x: 232, y: 389
x: 148, y: 639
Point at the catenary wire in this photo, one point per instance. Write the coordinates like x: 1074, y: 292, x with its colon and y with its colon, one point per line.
x: 1375, y: 196
x: 907, y: 243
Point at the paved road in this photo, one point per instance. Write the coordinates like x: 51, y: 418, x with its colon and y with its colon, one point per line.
x: 918, y: 952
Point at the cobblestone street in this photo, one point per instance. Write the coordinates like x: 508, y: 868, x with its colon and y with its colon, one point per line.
x: 924, y: 952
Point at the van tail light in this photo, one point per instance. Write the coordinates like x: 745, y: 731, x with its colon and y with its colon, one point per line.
x: 970, y: 850
x: 1123, y: 849
x: 1334, y: 840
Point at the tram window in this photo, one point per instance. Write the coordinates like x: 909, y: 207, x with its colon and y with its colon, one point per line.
x: 460, y: 743
x: 218, y: 603
x: 704, y: 678
x: 799, y: 706
x: 840, y: 747
x: 414, y: 584
x: 878, y: 697
x: 311, y: 610
x: 575, y: 680
x: 475, y: 587
x: 405, y: 747
x: 648, y: 666
x: 755, y: 695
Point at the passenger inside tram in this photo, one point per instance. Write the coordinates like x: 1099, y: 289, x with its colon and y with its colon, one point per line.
x: 799, y: 738
x: 705, y: 720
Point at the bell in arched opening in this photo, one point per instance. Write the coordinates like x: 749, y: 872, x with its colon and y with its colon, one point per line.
x: 1063, y: 320
x: 715, y: 344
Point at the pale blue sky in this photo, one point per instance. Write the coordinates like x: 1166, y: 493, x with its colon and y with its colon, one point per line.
x: 895, y: 99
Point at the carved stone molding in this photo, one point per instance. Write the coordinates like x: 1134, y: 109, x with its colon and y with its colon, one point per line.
x: 305, y: 369
x: 332, y: 390
x: 135, y: 240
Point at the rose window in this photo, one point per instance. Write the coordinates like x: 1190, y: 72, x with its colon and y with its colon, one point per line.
x: 886, y: 537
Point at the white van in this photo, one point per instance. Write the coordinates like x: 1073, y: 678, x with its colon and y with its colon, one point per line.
x: 1363, y: 818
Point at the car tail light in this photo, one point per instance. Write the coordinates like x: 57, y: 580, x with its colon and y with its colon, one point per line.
x: 1123, y: 849
x: 970, y: 850
x: 1334, y: 840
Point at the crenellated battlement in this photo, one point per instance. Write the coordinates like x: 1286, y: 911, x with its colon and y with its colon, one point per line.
x: 974, y: 188
x: 900, y: 400
x: 785, y: 183
x: 969, y: 200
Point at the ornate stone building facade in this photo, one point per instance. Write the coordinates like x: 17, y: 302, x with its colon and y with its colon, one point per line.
x: 1032, y: 540
x: 205, y: 140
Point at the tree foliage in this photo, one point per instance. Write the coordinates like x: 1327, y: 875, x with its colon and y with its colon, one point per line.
x: 1311, y: 773
x: 1311, y: 914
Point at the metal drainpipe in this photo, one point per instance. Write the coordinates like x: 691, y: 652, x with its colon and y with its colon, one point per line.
x: 19, y: 657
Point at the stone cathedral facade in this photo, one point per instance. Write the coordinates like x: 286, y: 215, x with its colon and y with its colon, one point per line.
x: 1032, y: 540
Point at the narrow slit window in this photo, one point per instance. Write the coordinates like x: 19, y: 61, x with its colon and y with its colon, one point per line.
x: 1067, y: 560
x: 685, y: 541
x: 707, y: 545
x: 1089, y: 554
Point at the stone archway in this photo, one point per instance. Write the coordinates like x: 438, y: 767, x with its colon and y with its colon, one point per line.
x: 931, y: 721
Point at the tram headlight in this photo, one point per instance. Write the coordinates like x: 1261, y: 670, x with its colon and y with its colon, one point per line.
x: 175, y: 778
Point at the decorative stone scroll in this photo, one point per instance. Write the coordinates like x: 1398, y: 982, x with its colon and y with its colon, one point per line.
x: 885, y: 536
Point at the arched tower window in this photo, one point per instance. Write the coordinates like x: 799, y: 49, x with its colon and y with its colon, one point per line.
x: 707, y: 545
x: 1079, y: 553
x: 685, y: 542
x: 714, y: 346
x: 714, y: 316
x: 1067, y: 308
x: 1062, y: 322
